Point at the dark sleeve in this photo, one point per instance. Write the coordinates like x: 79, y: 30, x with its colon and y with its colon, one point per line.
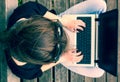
x: 27, y: 71
x: 26, y: 10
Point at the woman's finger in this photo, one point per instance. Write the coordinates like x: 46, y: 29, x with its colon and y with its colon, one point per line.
x: 79, y: 28
x: 80, y: 23
x: 78, y: 58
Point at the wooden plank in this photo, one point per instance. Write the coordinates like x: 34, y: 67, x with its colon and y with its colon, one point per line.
x: 11, y: 5
x: 88, y: 79
x: 11, y: 77
x: 101, y: 79
x: 3, y: 66
x: 76, y: 77
x: 111, y: 4
x: 118, y: 80
x: 46, y: 3
x: 61, y: 74
x: 24, y: 1
x: 34, y: 80
x: 73, y: 2
x: 47, y: 76
x: 60, y: 5
x: 2, y: 15
x: 111, y: 78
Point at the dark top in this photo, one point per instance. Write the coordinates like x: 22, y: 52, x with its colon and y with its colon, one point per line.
x: 27, y: 10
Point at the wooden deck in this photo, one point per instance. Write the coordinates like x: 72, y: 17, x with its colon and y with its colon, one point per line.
x: 58, y: 73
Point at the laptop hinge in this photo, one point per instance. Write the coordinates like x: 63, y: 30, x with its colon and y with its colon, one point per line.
x: 97, y: 61
x: 97, y: 19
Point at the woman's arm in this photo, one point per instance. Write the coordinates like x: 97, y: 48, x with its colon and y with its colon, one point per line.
x: 69, y: 56
x: 48, y: 66
x: 71, y: 24
x: 51, y: 16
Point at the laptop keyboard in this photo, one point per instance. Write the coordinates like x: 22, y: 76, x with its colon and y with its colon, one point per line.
x: 84, y: 41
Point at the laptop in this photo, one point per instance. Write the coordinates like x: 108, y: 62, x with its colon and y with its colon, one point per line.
x: 98, y: 42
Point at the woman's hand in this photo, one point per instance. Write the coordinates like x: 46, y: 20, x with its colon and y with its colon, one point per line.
x: 73, y: 25
x: 71, y: 56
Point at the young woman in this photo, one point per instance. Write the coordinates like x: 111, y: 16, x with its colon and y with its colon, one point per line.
x: 36, y: 40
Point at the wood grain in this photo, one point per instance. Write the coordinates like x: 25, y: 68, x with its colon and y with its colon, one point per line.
x: 111, y: 4
x: 61, y: 74
x: 3, y: 65
x: 46, y: 3
x: 118, y: 80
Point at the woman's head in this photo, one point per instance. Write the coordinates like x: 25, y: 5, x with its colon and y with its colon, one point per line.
x: 36, y: 40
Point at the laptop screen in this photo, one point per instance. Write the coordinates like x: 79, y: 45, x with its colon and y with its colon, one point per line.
x: 108, y: 41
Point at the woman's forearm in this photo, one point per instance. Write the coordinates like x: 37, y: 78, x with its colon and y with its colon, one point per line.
x: 72, y: 24
x: 51, y: 16
x: 48, y: 66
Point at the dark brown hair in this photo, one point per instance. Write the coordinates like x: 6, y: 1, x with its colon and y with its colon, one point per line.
x: 33, y: 40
